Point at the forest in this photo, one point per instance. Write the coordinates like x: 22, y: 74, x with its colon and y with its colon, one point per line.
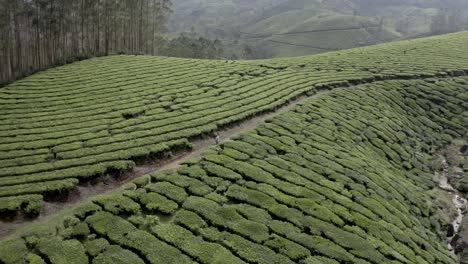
x: 37, y: 34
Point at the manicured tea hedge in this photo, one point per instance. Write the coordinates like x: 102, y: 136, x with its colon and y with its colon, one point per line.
x: 86, y: 119
x: 343, y: 177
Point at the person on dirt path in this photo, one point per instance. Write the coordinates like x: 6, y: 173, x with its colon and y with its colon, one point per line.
x: 217, y: 138
x: 170, y: 155
x: 106, y: 179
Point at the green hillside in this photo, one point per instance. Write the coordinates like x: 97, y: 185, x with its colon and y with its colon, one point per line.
x: 325, y: 183
x: 72, y: 123
x: 281, y: 28
x: 344, y: 177
x: 308, y: 34
x: 290, y: 28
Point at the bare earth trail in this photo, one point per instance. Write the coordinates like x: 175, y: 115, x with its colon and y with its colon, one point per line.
x: 108, y: 184
x: 458, y: 200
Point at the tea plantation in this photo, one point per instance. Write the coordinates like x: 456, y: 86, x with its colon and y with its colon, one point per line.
x: 72, y: 123
x: 342, y: 178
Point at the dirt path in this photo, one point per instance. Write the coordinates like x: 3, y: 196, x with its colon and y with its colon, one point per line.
x: 108, y: 184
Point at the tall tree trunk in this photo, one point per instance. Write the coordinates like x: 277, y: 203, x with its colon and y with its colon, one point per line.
x: 98, y: 35
x: 19, y: 56
x: 9, y: 73
x: 140, y: 38
x: 38, y: 40
x: 147, y: 22
x: 107, y: 28
x: 153, y: 37
x: 50, y: 40
x: 116, y: 48
x: 37, y: 34
x: 82, y: 25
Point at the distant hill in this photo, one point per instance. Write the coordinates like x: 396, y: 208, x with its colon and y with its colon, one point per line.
x: 323, y: 32
x: 278, y: 28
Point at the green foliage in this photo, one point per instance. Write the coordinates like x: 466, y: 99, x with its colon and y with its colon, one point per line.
x: 34, y: 259
x: 183, y: 99
x: 235, y: 154
x: 226, y: 217
x: 319, y: 260
x: 141, y: 181
x: 29, y: 204
x: 66, y: 251
x: 109, y: 225
x: 117, y: 204
x: 115, y: 254
x: 342, y: 177
x: 154, y: 202
x: 86, y: 209
x: 187, y: 46
x: 144, y: 222
x: 79, y: 230
x: 191, y: 185
x: 286, y: 247
x: 203, y: 251
x: 169, y: 190
x: 220, y: 171
x: 13, y: 251
x: 97, y: 246
x: 251, y: 251
x: 154, y: 250
x: 190, y: 220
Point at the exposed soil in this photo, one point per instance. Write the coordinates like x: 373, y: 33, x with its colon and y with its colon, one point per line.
x: 458, y: 200
x: 109, y: 183
x: 449, y: 172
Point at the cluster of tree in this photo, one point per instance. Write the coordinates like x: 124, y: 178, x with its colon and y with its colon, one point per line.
x: 254, y: 52
x: 446, y: 21
x: 192, y: 45
x: 188, y: 45
x: 37, y: 34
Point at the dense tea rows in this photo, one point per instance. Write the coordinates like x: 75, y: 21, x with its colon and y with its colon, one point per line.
x: 344, y: 177
x: 72, y: 123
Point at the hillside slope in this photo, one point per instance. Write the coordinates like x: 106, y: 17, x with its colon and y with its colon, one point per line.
x: 310, y: 34
x: 342, y: 178
x: 76, y: 122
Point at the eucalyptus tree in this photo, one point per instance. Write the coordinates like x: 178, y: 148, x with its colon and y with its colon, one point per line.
x: 37, y: 34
